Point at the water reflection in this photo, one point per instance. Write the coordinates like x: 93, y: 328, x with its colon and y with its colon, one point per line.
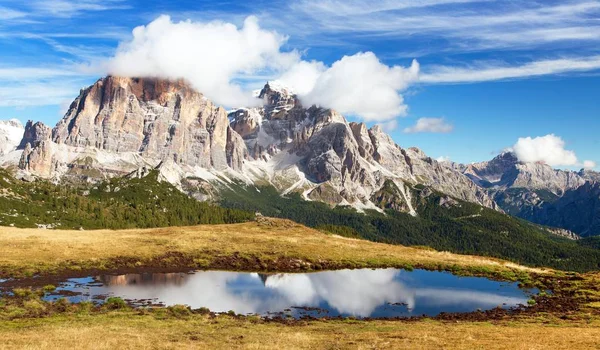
x: 360, y: 293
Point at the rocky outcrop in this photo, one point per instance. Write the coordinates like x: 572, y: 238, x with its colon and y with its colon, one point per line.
x: 121, y: 124
x: 34, y: 134
x: 159, y: 119
x: 37, y: 156
x: 506, y: 171
x: 563, y: 233
x: 353, y: 160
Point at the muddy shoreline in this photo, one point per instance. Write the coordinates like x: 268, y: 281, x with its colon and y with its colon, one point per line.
x: 175, y: 262
x: 563, y: 301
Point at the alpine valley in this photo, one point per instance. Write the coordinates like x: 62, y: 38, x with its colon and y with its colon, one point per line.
x: 146, y: 152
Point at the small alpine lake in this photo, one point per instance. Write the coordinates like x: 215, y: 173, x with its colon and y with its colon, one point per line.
x: 361, y: 293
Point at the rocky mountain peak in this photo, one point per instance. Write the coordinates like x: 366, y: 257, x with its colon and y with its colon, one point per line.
x: 11, y: 132
x: 37, y: 156
x: 13, y: 123
x: 277, y: 99
x: 493, y: 171
x: 589, y: 175
x: 34, y: 134
x: 123, y: 125
x: 156, y: 118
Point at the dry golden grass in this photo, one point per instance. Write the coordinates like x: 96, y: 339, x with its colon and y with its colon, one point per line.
x: 127, y: 331
x: 48, y: 250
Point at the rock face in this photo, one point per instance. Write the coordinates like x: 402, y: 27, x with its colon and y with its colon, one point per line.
x: 318, y: 152
x: 37, y: 156
x: 156, y: 118
x: 539, y: 193
x: 122, y: 126
x: 34, y: 134
x: 11, y: 133
x: 506, y: 171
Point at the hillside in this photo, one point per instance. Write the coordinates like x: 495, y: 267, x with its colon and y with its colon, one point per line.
x: 148, y: 152
x: 117, y: 203
x: 443, y: 223
x: 266, y: 245
x: 141, y: 200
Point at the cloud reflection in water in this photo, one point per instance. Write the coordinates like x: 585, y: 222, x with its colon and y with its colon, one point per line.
x: 361, y: 293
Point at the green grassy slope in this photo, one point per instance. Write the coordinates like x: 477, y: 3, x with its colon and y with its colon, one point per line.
x: 462, y: 228
x: 116, y: 204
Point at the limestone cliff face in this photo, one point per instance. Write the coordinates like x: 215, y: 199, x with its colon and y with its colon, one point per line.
x: 37, y: 156
x: 337, y: 161
x: 120, y: 125
x: 156, y: 118
x: 34, y: 134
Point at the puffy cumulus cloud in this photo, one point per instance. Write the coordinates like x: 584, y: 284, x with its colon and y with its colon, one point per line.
x: 361, y: 85
x: 434, y: 125
x: 549, y: 149
x: 443, y: 159
x: 211, y: 56
x: 303, y: 76
x: 217, y: 57
x: 589, y: 164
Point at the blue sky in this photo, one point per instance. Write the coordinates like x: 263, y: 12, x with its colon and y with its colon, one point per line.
x: 491, y: 72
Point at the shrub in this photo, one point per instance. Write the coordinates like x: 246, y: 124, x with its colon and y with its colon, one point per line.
x: 114, y: 303
x: 180, y: 310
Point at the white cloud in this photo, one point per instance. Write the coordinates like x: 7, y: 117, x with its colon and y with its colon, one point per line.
x: 36, y: 93
x: 362, y: 85
x: 209, y: 55
x: 466, y: 25
x: 70, y: 8
x: 434, y: 125
x: 217, y: 57
x: 549, y: 149
x: 9, y: 14
x: 303, y: 76
x: 589, y: 164
x: 489, y: 72
x: 443, y: 159
x: 25, y: 73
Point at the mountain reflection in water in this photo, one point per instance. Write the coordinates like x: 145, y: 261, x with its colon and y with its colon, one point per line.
x: 361, y: 293
x: 144, y: 279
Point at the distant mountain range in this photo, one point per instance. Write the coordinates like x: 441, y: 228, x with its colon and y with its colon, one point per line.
x: 127, y: 126
x: 539, y: 193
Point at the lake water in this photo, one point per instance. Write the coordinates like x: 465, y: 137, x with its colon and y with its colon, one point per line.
x: 378, y: 293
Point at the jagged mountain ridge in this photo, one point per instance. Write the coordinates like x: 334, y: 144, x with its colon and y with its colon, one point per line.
x: 540, y: 193
x: 11, y: 132
x: 119, y: 125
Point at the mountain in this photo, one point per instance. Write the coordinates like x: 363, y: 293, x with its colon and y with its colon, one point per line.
x: 11, y: 132
x: 127, y: 148
x: 540, y: 193
x: 141, y: 199
x: 120, y: 125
